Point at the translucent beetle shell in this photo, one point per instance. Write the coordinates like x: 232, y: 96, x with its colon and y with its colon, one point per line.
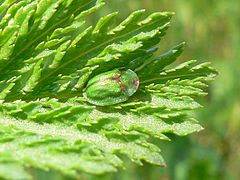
x: 111, y: 87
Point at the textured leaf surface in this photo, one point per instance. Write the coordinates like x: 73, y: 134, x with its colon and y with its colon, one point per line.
x: 48, y: 54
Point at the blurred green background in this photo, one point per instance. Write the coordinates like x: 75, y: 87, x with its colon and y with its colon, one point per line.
x: 211, y: 29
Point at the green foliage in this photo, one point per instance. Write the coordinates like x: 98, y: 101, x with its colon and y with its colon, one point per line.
x: 48, y: 54
x: 213, y: 153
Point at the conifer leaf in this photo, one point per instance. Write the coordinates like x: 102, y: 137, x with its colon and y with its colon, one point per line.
x: 47, y: 55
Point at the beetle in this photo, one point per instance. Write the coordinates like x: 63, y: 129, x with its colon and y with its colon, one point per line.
x: 111, y: 87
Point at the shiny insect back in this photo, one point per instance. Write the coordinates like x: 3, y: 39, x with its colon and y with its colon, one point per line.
x: 111, y: 87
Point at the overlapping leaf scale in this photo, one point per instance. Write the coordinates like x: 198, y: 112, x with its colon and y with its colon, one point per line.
x: 47, y: 56
x: 111, y: 51
x: 118, y: 47
x: 154, y: 65
x: 135, y: 37
x: 71, y: 114
x: 188, y: 70
x: 119, y: 126
x: 126, y: 123
x: 78, y: 112
x: 66, y: 149
x: 109, y: 121
x: 149, y: 124
x: 67, y: 156
x: 4, y: 5
x: 179, y: 87
x: 176, y: 88
x: 27, y: 43
x: 169, y: 93
x: 13, y: 25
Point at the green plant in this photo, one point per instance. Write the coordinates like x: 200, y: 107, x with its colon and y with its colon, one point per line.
x: 48, y: 55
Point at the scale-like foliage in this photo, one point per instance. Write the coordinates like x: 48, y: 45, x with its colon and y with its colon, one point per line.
x: 48, y: 54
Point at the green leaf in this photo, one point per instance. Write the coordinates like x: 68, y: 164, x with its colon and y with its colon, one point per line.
x: 48, y: 54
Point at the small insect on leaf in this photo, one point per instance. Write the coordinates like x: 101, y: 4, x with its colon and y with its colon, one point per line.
x: 111, y: 87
